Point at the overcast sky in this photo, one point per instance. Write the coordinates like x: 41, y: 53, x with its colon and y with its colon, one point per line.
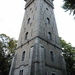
x: 12, y: 12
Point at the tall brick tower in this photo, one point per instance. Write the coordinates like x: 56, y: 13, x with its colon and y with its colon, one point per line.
x: 38, y: 50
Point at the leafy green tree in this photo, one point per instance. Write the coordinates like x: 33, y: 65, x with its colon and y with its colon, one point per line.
x: 69, y: 5
x: 7, y: 46
x: 69, y: 55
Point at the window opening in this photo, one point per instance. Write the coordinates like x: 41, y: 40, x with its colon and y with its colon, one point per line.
x: 48, y: 21
x: 21, y: 72
x: 53, y: 74
x: 51, y: 55
x: 28, y: 21
x: 49, y: 35
x: 23, y: 56
x: 26, y: 36
x: 46, y: 8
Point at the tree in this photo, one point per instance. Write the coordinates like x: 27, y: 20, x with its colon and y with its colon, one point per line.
x: 7, y: 46
x: 69, y: 56
x: 69, y: 5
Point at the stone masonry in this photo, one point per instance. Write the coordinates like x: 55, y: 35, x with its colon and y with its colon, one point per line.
x: 38, y: 50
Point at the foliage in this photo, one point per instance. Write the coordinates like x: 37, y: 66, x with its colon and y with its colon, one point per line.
x: 69, y: 55
x: 7, y: 46
x: 69, y: 5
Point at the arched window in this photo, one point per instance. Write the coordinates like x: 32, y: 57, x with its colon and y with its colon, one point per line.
x: 28, y: 21
x: 48, y: 21
x: 53, y: 74
x: 51, y: 56
x: 49, y: 35
x: 23, y: 56
x: 21, y: 72
x: 26, y: 36
x: 46, y: 8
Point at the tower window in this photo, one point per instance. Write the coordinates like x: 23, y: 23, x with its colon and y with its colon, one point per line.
x: 23, y: 56
x: 26, y: 36
x: 46, y: 8
x: 48, y: 21
x: 51, y: 56
x: 21, y: 72
x: 53, y: 74
x: 28, y: 21
x: 49, y: 35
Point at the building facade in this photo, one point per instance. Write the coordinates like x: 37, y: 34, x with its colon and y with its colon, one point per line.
x: 38, y: 50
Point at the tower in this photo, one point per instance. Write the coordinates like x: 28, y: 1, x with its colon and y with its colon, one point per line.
x: 38, y: 50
